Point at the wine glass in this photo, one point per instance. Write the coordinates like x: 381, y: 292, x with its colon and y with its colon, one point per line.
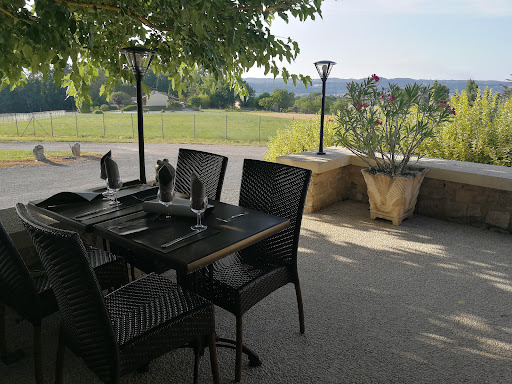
x: 199, y: 206
x: 166, y: 204
x: 107, y: 193
x: 113, y: 186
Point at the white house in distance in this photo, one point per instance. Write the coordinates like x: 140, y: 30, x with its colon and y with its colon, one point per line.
x: 156, y: 99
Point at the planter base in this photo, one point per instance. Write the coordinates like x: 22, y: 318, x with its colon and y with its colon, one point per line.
x: 392, y: 198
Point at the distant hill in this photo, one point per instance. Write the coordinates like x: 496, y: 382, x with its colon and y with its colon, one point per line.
x: 338, y: 87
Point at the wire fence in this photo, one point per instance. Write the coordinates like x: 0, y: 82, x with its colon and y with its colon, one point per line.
x: 18, y: 117
x: 219, y: 125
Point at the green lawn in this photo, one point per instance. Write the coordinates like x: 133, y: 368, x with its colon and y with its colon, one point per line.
x: 208, y: 125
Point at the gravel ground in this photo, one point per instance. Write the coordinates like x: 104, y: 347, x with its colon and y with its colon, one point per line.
x: 39, y: 181
x: 426, y: 302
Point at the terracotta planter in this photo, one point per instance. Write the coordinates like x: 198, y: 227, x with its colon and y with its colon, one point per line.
x: 393, y: 198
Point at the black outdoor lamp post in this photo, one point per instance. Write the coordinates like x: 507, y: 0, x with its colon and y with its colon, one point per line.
x: 139, y: 60
x: 323, y: 68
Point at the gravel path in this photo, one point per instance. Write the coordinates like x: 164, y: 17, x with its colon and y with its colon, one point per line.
x: 23, y: 184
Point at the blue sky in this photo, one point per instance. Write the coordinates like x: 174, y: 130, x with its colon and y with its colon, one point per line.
x: 440, y: 40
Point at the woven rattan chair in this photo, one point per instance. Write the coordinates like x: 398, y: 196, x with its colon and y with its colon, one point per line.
x: 238, y: 282
x: 127, y: 328
x: 29, y: 292
x: 31, y: 298
x: 210, y: 168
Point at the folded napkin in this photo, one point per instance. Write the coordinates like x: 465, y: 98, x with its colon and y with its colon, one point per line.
x: 178, y: 207
x: 158, y: 165
x: 166, y: 178
x: 114, y: 180
x: 102, y: 165
x: 196, y: 192
x: 68, y: 198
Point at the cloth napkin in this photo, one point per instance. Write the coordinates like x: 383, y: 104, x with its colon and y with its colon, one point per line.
x: 196, y: 192
x: 102, y: 165
x: 166, y: 178
x: 114, y: 180
x: 159, y: 164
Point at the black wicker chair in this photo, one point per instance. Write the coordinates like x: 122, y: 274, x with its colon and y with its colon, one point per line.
x: 210, y: 168
x: 31, y: 298
x: 127, y: 328
x: 29, y: 292
x: 238, y: 282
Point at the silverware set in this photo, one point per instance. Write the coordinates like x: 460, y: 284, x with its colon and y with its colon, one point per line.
x: 177, y: 240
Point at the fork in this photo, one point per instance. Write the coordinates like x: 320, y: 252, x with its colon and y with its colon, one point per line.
x: 232, y: 217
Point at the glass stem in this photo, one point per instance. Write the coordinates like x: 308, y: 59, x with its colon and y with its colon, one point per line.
x: 198, y: 219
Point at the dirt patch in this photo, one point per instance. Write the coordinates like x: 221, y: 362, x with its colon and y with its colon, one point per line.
x: 283, y: 115
x: 51, y: 160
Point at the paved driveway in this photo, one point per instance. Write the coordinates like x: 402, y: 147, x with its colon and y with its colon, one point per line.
x: 22, y: 184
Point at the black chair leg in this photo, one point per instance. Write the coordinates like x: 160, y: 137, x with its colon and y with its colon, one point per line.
x: 300, y: 305
x: 197, y: 357
x: 213, y: 358
x: 59, y: 369
x: 239, y: 345
x: 38, y: 365
x: 3, y: 346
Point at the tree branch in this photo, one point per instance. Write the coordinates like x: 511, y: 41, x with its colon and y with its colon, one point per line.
x: 14, y: 17
x: 114, y: 9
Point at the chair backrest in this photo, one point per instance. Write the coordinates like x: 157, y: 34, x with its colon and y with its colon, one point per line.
x: 279, y: 190
x: 17, y: 289
x: 85, y: 324
x: 210, y: 168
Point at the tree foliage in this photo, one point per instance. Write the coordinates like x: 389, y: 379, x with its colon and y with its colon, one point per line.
x: 472, y: 91
x: 225, y: 38
x: 479, y: 133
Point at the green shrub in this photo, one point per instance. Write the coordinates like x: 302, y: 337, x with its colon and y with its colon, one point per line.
x: 174, y: 105
x: 98, y: 112
x: 129, y: 108
x: 481, y: 133
x: 302, y: 136
x: 106, y: 107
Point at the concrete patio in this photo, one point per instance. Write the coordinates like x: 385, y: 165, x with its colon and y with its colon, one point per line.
x: 426, y: 302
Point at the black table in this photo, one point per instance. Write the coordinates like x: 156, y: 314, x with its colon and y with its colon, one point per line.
x: 142, y: 233
x: 71, y: 208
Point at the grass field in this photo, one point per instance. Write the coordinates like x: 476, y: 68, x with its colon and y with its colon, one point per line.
x: 208, y: 125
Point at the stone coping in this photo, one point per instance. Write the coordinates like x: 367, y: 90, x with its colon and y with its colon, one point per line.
x: 483, y: 175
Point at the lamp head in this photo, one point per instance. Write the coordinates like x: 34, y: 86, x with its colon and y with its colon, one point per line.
x: 324, y: 68
x: 139, y: 59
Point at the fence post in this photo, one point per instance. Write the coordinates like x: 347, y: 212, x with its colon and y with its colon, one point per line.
x: 226, y: 127
x: 133, y: 133
x: 162, y: 119
x: 194, y: 126
x: 51, y: 122
x: 16, y: 118
x: 104, y: 133
x: 259, y: 131
x: 76, y: 123
x: 33, y: 124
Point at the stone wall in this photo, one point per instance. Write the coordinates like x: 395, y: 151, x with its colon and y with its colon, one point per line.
x: 466, y: 193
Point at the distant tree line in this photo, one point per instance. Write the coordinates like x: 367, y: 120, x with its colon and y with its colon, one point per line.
x: 202, y: 90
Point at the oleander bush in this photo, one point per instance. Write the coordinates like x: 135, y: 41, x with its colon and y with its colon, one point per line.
x: 481, y: 133
x: 302, y: 136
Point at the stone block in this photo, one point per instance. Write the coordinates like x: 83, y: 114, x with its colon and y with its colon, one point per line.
x: 75, y: 150
x: 39, y: 153
x: 471, y: 194
x: 474, y: 210
x: 499, y: 219
x: 455, y: 209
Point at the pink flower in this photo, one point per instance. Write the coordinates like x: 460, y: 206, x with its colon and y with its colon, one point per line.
x: 365, y: 106
x: 330, y: 120
x: 378, y: 123
x: 376, y: 78
x: 392, y: 98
